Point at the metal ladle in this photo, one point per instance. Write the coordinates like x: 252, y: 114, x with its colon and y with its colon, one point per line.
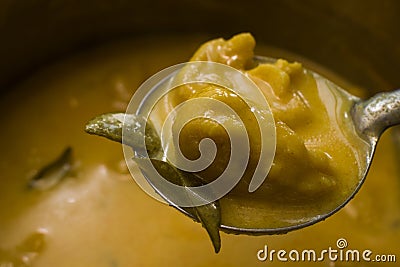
x: 371, y: 117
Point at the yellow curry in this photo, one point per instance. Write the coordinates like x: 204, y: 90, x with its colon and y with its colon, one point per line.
x: 97, y: 216
x: 319, y: 158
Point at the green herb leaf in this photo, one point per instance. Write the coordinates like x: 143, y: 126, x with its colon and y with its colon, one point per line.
x: 208, y: 215
x: 54, y: 172
x: 110, y: 125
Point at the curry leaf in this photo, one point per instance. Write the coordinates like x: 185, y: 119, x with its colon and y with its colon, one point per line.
x: 111, y: 125
x: 54, y: 172
x: 208, y: 215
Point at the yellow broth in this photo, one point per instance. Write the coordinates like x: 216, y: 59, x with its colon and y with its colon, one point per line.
x: 99, y: 217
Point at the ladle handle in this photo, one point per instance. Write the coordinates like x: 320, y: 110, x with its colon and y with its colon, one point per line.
x: 374, y: 115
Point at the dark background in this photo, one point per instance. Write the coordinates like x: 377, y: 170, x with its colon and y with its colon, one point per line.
x: 356, y: 39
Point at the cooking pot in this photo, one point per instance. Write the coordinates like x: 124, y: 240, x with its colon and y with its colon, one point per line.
x: 356, y: 39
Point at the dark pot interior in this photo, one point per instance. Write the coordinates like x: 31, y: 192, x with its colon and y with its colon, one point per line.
x: 356, y: 39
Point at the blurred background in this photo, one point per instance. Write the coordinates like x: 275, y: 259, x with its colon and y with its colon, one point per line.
x: 355, y: 40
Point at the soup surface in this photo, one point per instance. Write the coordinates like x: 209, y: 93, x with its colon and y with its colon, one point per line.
x: 98, y: 216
